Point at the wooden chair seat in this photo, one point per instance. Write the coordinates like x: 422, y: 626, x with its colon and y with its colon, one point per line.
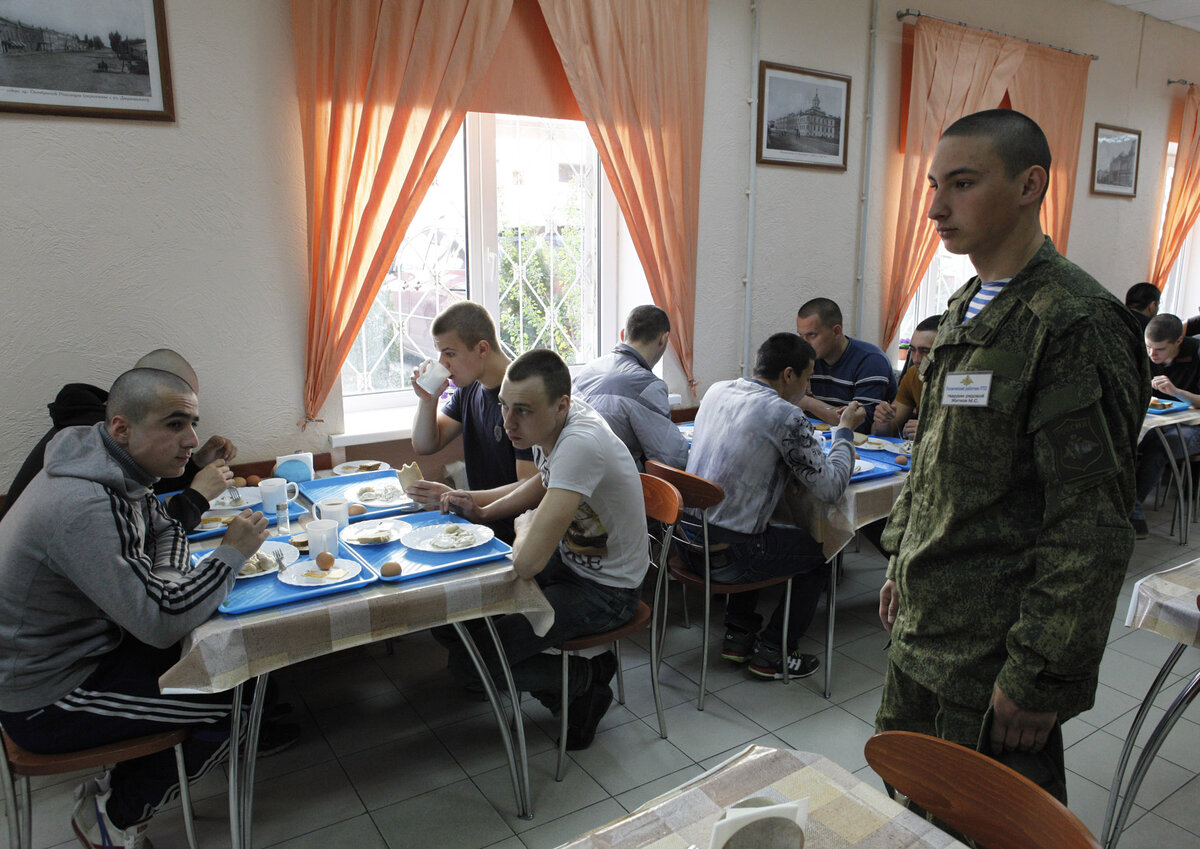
x: 20, y: 764
x: 641, y: 618
x: 686, y: 576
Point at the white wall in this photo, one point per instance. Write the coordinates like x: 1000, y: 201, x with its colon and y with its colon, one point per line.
x: 122, y: 236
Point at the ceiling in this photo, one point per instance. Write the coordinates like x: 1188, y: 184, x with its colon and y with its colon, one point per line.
x: 1184, y: 13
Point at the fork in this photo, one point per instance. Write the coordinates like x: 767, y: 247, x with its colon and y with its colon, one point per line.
x: 278, y: 556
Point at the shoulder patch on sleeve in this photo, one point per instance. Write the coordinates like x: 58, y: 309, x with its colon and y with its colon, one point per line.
x: 1082, y: 448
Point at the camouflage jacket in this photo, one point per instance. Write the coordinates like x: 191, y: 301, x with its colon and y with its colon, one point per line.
x: 1011, y: 536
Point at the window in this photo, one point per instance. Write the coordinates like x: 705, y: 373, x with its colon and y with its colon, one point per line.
x: 1181, y: 292
x: 947, y: 272
x: 512, y: 221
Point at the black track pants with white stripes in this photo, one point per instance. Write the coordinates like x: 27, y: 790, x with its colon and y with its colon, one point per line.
x: 119, y: 701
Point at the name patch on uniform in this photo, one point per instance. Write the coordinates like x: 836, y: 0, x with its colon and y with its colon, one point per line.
x: 967, y: 389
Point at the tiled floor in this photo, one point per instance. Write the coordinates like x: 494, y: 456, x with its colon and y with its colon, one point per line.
x: 393, y: 755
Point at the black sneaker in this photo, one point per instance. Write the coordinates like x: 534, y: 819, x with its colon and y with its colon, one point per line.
x: 585, y: 713
x: 274, y: 737
x: 1140, y: 529
x: 768, y: 664
x: 738, y: 646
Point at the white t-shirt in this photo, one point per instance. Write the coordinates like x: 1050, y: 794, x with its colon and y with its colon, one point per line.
x: 606, y: 541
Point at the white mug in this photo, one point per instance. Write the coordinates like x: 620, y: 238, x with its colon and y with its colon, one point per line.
x: 337, y: 509
x: 433, y: 376
x: 276, y: 491
x: 322, y: 536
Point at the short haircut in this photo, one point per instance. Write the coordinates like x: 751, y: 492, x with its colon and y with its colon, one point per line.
x: 469, y: 320
x: 1141, y: 295
x: 165, y: 359
x: 543, y: 363
x: 1018, y: 140
x: 1164, y: 327
x: 646, y: 323
x: 138, y: 391
x: 829, y: 312
x: 780, y: 351
x: 927, y: 324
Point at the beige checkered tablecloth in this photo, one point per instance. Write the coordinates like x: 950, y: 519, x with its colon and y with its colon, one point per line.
x: 1188, y: 417
x: 228, y: 650
x: 1166, y: 603
x: 843, y: 811
x: 833, y: 525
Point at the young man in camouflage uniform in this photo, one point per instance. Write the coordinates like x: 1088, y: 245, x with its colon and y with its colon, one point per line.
x: 1011, y: 537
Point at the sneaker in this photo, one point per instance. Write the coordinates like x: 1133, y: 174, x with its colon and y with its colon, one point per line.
x: 738, y: 646
x: 92, y: 826
x: 1140, y: 529
x: 274, y: 737
x: 584, y: 715
x: 768, y: 664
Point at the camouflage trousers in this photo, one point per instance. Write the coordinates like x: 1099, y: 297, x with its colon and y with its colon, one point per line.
x: 909, y: 706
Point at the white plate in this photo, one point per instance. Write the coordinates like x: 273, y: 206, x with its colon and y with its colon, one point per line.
x: 352, y: 467
x: 874, y: 443
x: 398, y: 497
x: 289, y: 553
x: 861, y: 466
x: 297, y: 577
x: 249, y: 495
x: 212, y: 521
x: 904, y: 447
x: 422, y: 538
x: 396, y: 528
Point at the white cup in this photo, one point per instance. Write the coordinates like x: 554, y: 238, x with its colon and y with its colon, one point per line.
x: 322, y: 536
x: 337, y: 509
x: 432, y: 376
x: 276, y: 491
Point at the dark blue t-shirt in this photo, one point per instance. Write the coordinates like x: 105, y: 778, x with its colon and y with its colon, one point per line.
x: 489, y: 456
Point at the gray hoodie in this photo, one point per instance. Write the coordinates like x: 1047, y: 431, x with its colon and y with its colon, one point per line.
x: 87, y: 556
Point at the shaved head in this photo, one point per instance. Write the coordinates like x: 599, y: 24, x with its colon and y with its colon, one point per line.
x: 139, y: 391
x: 164, y: 359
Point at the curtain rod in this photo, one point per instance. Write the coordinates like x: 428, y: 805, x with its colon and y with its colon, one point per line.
x: 917, y: 13
x: 1180, y: 82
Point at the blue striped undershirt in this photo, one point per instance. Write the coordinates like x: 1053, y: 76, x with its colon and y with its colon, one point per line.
x: 983, y: 297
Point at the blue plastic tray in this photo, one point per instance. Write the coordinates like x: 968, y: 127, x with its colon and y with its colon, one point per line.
x: 259, y: 593
x: 418, y: 564
x: 1175, y: 407
x: 295, y: 511
x: 342, y: 485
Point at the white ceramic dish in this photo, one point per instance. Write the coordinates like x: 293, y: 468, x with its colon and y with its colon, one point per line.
x: 394, y: 528
x: 306, y: 573
x: 289, y: 553
x: 429, y: 537
x: 353, y: 467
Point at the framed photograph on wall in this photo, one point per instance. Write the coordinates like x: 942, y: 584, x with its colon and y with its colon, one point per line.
x: 803, y: 116
x: 1115, y: 154
x: 80, y: 57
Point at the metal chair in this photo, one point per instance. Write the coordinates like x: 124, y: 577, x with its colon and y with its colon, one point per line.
x: 978, y: 796
x: 663, y: 504
x: 19, y: 765
x: 701, y: 494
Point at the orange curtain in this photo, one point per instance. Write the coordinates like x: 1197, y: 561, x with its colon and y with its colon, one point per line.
x: 1051, y: 88
x: 1183, y: 203
x: 637, y: 70
x: 383, y: 86
x: 956, y: 71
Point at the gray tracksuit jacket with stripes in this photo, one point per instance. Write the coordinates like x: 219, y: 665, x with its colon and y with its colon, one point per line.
x: 87, y: 557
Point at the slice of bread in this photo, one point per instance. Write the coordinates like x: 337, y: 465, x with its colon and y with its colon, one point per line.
x: 409, y: 475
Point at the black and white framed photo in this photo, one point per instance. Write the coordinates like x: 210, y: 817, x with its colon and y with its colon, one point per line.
x: 803, y: 116
x: 1115, y: 154
x: 93, y: 58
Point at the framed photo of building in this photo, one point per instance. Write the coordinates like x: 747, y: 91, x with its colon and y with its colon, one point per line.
x: 80, y: 57
x: 803, y: 116
x: 1115, y: 154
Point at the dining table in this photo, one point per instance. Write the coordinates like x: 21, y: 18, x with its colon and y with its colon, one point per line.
x: 844, y: 810
x: 1181, y: 471
x: 1166, y: 603
x: 230, y: 652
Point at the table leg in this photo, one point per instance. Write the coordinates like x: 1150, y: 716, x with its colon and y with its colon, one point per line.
x: 235, y: 770
x: 1114, y: 791
x: 489, y: 687
x: 1155, y: 742
x: 830, y: 608
x: 1186, y: 513
x: 514, y: 699
x: 251, y: 758
x: 1176, y: 477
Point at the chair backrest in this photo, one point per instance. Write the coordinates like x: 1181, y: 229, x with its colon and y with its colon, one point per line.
x: 697, y: 492
x: 663, y: 501
x: 979, y: 796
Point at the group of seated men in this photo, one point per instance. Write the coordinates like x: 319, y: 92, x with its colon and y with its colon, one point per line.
x: 553, y: 469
